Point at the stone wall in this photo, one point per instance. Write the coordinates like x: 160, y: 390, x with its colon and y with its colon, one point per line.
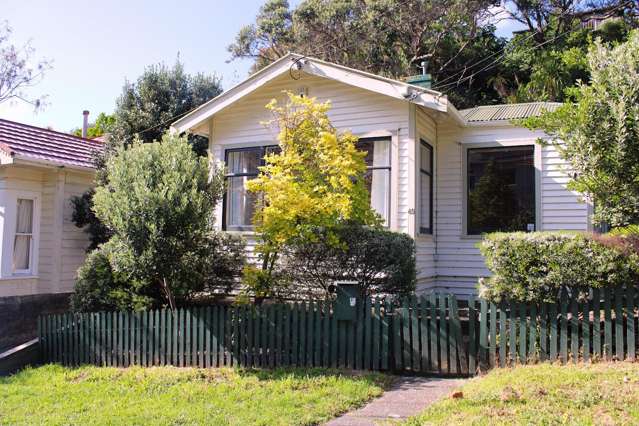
x: 19, y: 316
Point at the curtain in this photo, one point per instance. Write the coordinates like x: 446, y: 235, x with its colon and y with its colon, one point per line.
x: 380, y: 179
x: 24, y: 234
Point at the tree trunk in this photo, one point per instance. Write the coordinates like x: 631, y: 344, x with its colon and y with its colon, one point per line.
x: 169, y: 294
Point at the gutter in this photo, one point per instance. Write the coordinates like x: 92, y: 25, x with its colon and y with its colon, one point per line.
x: 30, y: 161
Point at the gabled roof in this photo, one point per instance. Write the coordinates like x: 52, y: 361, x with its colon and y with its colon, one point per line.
x: 386, y: 86
x: 506, y: 113
x: 47, y: 147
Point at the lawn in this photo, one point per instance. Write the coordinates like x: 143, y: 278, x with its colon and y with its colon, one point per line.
x: 584, y: 394
x: 55, y: 395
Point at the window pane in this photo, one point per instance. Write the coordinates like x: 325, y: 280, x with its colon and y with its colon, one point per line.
x: 424, y: 207
x: 240, y: 204
x: 425, y: 158
x: 377, y: 152
x: 378, y: 185
x: 21, y: 252
x: 501, y: 189
x: 244, y: 161
x: 24, y: 221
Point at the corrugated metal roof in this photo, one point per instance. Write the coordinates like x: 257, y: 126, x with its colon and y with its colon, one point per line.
x: 507, y: 112
x: 36, y: 143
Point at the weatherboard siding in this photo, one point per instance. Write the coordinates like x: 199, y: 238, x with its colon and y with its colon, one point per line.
x: 426, y: 129
x: 458, y: 261
x: 359, y: 111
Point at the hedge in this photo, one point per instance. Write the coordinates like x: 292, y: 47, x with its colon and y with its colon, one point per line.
x: 535, y: 267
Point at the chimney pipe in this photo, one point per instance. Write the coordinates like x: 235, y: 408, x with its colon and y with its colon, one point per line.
x: 85, y: 123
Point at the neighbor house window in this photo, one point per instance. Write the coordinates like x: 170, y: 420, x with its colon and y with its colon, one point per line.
x: 239, y: 204
x: 23, y: 240
x: 500, y: 189
x: 425, y: 188
x: 378, y: 174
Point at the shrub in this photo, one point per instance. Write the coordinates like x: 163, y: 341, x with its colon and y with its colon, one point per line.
x: 380, y: 260
x: 535, y: 267
x: 158, y: 206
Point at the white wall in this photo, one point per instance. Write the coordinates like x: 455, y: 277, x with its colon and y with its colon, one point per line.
x: 362, y: 112
x: 61, y: 245
x: 458, y: 260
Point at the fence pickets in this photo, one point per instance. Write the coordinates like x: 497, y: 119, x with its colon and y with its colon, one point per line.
x: 417, y: 334
x: 433, y: 334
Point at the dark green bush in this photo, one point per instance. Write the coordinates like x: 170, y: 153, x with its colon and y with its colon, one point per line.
x: 535, y: 267
x: 380, y: 260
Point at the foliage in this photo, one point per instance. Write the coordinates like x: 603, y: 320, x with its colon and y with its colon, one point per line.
x: 84, y: 216
x: 52, y: 394
x: 535, y: 267
x: 379, y: 36
x: 99, y: 287
x: 383, y: 262
x: 543, y: 394
x: 101, y: 126
x: 598, y: 134
x: 158, y: 204
x: 147, y: 107
x: 17, y: 72
x: 315, y: 182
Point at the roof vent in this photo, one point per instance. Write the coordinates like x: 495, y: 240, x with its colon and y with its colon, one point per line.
x: 423, y: 80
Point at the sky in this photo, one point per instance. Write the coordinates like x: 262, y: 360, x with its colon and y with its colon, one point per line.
x: 95, y: 46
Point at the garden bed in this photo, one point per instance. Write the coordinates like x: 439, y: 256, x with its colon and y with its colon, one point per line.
x: 55, y: 395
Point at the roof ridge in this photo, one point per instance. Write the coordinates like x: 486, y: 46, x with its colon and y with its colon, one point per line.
x: 44, y: 129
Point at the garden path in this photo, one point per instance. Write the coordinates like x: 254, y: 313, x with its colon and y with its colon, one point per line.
x: 407, y: 397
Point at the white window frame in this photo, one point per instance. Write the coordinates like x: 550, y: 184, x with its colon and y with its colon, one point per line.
x: 421, y: 230
x: 499, y: 144
x: 9, y: 221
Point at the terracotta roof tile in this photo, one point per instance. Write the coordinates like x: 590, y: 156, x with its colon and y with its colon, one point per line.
x: 29, y: 142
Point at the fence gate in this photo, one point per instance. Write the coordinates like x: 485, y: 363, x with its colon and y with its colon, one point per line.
x: 418, y: 334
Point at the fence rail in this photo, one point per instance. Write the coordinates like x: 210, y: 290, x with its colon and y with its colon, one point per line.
x: 434, y: 334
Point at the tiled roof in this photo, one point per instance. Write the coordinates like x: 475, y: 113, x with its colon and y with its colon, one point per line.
x: 507, y: 112
x: 38, y: 144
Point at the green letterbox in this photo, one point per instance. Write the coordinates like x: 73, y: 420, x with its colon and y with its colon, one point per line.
x: 346, y: 301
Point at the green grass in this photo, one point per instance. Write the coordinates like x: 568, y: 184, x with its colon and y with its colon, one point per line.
x: 545, y: 394
x: 55, y: 395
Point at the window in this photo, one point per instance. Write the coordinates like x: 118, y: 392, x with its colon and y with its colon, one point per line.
x: 378, y: 174
x: 23, y: 241
x: 239, y: 204
x: 425, y: 188
x: 500, y: 189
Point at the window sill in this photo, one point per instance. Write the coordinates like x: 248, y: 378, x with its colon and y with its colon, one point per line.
x: 19, y: 277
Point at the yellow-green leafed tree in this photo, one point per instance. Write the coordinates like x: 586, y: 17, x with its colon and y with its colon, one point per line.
x: 316, y: 181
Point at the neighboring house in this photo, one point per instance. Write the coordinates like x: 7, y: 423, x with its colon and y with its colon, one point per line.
x: 41, y: 249
x: 440, y: 175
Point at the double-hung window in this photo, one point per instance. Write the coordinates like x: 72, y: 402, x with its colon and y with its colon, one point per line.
x: 23, y: 239
x: 378, y: 173
x: 239, y: 204
x: 500, y: 189
x: 425, y: 188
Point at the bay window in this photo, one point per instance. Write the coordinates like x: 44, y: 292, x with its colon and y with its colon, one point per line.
x: 500, y: 192
x: 425, y: 188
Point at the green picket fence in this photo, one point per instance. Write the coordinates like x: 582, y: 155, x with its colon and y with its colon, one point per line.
x: 603, y: 326
x: 422, y: 335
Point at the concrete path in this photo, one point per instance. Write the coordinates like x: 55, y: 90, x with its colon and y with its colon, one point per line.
x: 407, y: 397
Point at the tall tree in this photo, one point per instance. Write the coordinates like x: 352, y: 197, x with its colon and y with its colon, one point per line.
x: 380, y: 36
x: 598, y: 133
x: 18, y: 71
x: 147, y: 107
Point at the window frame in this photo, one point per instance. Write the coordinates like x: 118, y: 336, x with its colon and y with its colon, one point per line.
x: 537, y: 162
x: 227, y: 151
x: 425, y: 144
x: 389, y: 139
x: 8, y: 228
x: 31, y: 235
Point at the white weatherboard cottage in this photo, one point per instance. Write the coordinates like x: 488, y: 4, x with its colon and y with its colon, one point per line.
x: 441, y: 175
